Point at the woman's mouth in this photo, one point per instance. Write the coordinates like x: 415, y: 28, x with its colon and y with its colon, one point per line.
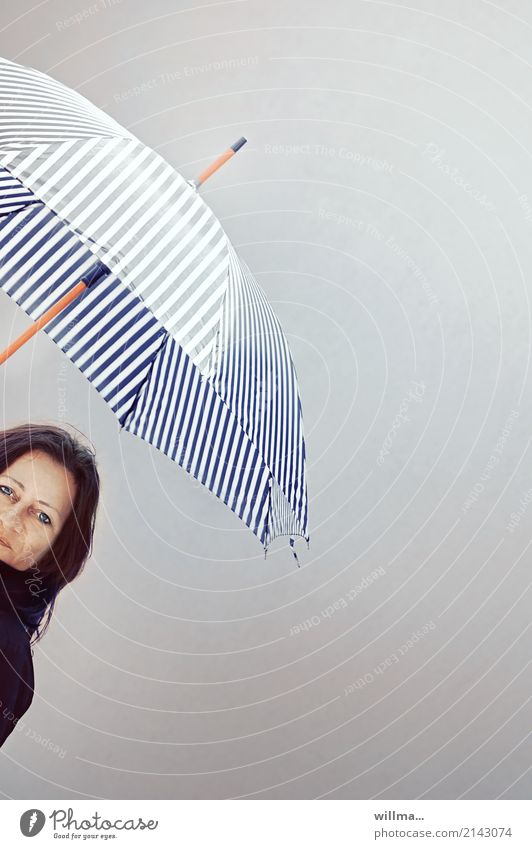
x: 4, y: 543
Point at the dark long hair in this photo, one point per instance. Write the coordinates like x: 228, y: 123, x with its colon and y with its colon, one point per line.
x: 66, y: 558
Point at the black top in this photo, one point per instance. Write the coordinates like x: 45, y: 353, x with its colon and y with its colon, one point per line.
x: 16, y: 673
x: 23, y: 602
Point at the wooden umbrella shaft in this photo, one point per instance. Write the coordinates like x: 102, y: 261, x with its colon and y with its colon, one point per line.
x: 220, y: 161
x: 43, y: 319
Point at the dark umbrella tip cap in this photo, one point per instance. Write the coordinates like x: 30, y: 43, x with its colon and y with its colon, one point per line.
x: 238, y: 144
x: 95, y: 273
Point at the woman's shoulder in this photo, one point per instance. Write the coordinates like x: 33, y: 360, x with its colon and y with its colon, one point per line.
x: 14, y: 639
x: 16, y: 660
x: 16, y: 673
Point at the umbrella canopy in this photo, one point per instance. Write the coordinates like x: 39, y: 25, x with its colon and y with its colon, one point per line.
x: 176, y: 334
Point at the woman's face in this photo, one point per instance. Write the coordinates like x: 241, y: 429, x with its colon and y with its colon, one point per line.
x: 36, y: 498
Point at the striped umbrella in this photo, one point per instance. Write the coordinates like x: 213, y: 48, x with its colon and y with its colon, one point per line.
x: 171, y: 327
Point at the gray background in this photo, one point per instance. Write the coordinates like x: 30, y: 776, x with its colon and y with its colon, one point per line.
x: 379, y: 201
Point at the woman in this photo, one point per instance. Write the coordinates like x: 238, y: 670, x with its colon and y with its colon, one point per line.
x: 49, y: 489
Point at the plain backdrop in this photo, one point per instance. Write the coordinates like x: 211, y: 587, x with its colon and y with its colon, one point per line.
x: 382, y: 201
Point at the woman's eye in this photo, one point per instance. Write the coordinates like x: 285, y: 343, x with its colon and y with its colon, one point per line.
x: 4, y: 487
x: 44, y: 519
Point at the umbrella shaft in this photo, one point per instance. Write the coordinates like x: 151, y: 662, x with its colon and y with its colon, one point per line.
x: 220, y: 161
x: 42, y: 320
x: 215, y: 165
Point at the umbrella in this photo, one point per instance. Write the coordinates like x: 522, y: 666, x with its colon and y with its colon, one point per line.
x: 169, y: 324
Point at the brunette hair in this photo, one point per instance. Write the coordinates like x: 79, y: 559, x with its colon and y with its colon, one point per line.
x: 67, y: 556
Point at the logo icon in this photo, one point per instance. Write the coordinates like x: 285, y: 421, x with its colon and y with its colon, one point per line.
x: 32, y: 822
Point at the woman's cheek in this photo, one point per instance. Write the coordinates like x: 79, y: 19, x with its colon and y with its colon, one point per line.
x: 28, y: 555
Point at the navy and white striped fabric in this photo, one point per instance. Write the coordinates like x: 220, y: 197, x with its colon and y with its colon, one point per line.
x: 107, y: 332
x: 178, y: 338
x: 13, y: 195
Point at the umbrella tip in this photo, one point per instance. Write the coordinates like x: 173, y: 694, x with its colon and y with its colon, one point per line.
x: 238, y: 144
